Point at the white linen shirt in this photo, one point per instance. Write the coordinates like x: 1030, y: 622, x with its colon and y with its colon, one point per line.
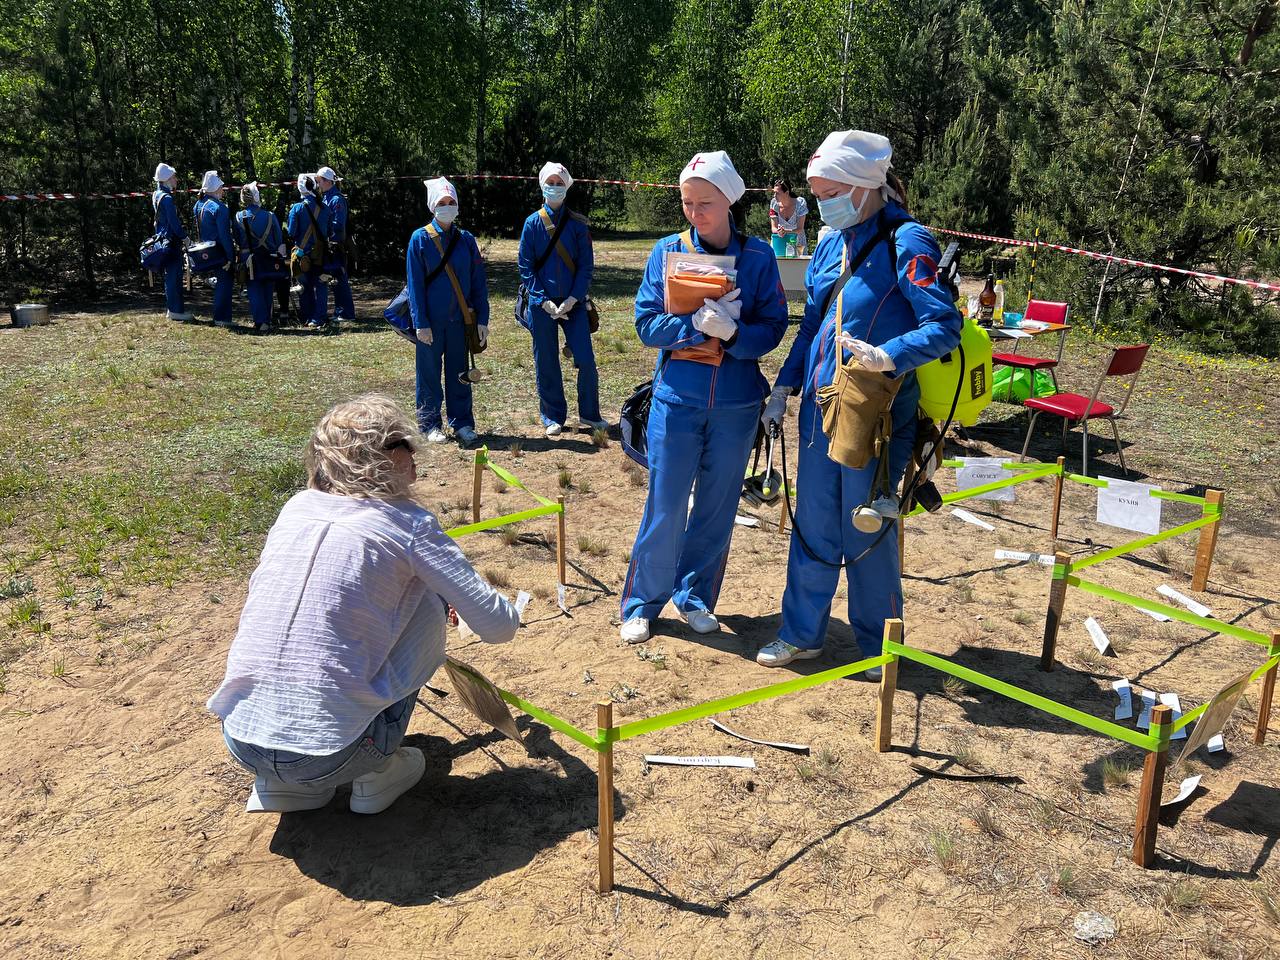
x: 345, y: 616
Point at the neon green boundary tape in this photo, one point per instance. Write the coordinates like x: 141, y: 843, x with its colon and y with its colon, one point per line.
x: 676, y: 717
x: 482, y: 458
x: 550, y: 719
x: 1045, y: 705
x: 988, y: 487
x: 1029, y: 465
x: 1158, y: 494
x: 1134, y: 545
x: 502, y: 521
x: 1192, y: 715
x: 1173, y: 613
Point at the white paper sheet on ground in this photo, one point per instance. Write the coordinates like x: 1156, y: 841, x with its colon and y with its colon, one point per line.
x: 1187, y: 788
x: 1129, y: 506
x: 1124, y: 691
x: 560, y: 598
x: 1215, y: 744
x: 1042, y: 558
x: 522, y: 601
x: 745, y: 762
x: 1097, y: 635
x: 968, y: 517
x: 742, y: 521
x: 1199, y: 609
x: 793, y: 747
x: 1208, y: 729
x: 979, y: 471
x: 464, y: 631
x: 1160, y: 617
x: 1171, y: 700
x: 1148, y: 704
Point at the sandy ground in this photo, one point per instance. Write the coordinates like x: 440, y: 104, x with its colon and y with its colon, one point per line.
x: 123, y: 832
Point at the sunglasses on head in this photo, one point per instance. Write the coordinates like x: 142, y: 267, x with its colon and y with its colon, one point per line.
x: 401, y: 444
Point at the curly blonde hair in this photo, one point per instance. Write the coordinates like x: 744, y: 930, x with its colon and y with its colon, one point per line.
x: 348, y: 450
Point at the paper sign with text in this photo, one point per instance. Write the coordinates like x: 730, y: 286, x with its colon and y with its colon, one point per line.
x: 1129, y: 506
x: 979, y: 471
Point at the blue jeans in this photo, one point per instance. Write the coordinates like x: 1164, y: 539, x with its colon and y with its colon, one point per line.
x: 260, y: 293
x: 343, y: 305
x: 368, y: 753
x: 448, y: 349
x: 546, y: 359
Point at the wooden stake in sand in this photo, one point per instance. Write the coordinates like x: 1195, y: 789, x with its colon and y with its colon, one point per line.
x: 604, y: 720
x: 888, y: 686
x: 1207, y: 543
x: 1148, y: 821
x: 1057, y: 599
x: 477, y: 481
x: 560, y: 542
x: 1057, y: 501
x: 1268, y: 691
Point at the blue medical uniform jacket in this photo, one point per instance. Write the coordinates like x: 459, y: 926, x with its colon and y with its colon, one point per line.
x: 213, y: 221
x: 438, y: 300
x: 555, y: 280
x: 167, y: 222
x: 301, y: 232
x: 267, y: 237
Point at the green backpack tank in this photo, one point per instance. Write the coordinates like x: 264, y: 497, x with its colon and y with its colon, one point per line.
x: 938, y: 378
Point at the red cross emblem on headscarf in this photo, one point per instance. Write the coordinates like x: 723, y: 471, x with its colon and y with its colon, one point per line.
x: 814, y: 157
x: 922, y: 271
x: 693, y: 164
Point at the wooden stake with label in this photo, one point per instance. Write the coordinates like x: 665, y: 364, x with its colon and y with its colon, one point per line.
x: 1148, y: 820
x: 1207, y: 543
x: 604, y: 720
x: 888, y: 687
x: 1057, y: 600
x: 1268, y: 692
x: 1057, y: 501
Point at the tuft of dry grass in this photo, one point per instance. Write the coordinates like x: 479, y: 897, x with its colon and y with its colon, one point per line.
x: 1066, y: 883
x: 953, y: 686
x: 946, y: 851
x: 564, y: 478
x: 497, y: 577
x: 509, y: 535
x: 600, y: 438
x: 515, y: 449
x: 1046, y: 814
x: 1116, y: 773
x: 594, y: 548
x: 499, y: 485
x: 1182, y: 896
x: 985, y: 821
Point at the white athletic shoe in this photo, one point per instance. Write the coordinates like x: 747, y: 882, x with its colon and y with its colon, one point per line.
x: 466, y: 435
x: 273, y: 795
x: 595, y: 425
x: 376, y: 791
x: 702, y: 621
x: 436, y: 435
x: 635, y: 630
x: 780, y: 653
x: 554, y: 429
x: 874, y: 674
x: 182, y: 317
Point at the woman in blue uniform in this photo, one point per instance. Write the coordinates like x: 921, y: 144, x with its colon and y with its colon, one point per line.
x: 335, y: 204
x: 213, y: 222
x: 438, y: 316
x: 259, y: 236
x: 893, y: 316
x: 308, y: 227
x: 168, y: 224
x: 557, y: 278
x: 706, y: 401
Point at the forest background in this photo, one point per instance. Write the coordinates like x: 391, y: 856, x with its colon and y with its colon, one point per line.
x: 1148, y: 129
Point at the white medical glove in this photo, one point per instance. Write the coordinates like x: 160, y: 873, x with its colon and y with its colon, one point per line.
x: 424, y: 336
x: 730, y: 305
x: 280, y: 250
x: 550, y: 307
x: 775, y: 409
x: 484, y: 335
x: 712, y: 320
x: 565, y: 307
x: 872, y: 358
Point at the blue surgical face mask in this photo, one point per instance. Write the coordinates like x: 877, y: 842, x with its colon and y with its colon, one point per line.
x: 839, y: 213
x: 554, y: 195
x: 446, y: 213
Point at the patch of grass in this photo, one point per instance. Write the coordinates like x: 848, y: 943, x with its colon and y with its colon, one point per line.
x: 985, y: 821
x: 1066, y: 882
x: 827, y: 760
x: 600, y: 438
x: 584, y: 486
x: 953, y: 686
x: 946, y: 853
x: 28, y: 613
x: 1092, y: 660
x: 497, y: 577
x: 1115, y: 773
x: 16, y: 587
x: 967, y: 757
x: 509, y: 535
x: 806, y: 773
x: 964, y: 591
x: 564, y: 478
x: 1046, y: 814
x: 1183, y: 896
x: 4, y: 681
x: 516, y: 448
x: 593, y: 548
x: 499, y: 485
x: 638, y: 477
x: 1023, y: 618
x: 58, y: 669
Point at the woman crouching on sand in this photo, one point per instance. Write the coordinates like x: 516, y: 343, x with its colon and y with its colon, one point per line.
x: 345, y: 621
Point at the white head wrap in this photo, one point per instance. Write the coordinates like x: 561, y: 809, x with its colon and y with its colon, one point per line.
x: 253, y: 191
x: 855, y: 157
x: 328, y: 174
x: 716, y: 167
x: 211, y: 181
x: 302, y: 185
x: 438, y: 189
x: 164, y: 172
x: 554, y: 170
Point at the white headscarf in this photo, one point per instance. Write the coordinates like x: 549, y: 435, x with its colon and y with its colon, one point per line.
x: 554, y: 170
x: 253, y: 191
x: 302, y: 184
x: 328, y: 174
x: 438, y: 189
x: 211, y: 181
x: 716, y: 167
x: 164, y: 173
x: 855, y: 157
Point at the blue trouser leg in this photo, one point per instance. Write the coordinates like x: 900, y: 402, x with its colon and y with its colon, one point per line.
x: 173, y: 293
x: 546, y: 363
x: 222, y: 292
x: 577, y: 334
x: 343, y: 305
x: 306, y: 297
x: 457, y: 395
x: 428, y: 392
x: 319, y: 293
x: 730, y: 434
x: 260, y: 293
x: 826, y: 496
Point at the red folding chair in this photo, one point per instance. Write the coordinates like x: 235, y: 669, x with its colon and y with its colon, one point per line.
x: 1046, y: 311
x: 1076, y: 408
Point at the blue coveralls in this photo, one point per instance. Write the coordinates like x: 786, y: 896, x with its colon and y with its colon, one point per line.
x: 213, y: 222
x: 168, y: 224
x: 556, y: 282
x: 308, y: 223
x: 702, y: 424
x: 899, y: 306
x: 336, y: 204
x: 436, y: 306
x: 266, y: 238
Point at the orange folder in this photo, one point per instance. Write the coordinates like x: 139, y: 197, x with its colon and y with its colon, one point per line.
x: 686, y: 291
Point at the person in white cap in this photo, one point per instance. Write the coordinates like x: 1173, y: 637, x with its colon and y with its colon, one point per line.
x: 447, y: 290
x: 261, y: 243
x: 892, y: 315
x: 168, y: 224
x: 336, y: 259
x: 707, y: 390
x: 308, y: 228
x: 213, y: 222
x: 556, y: 263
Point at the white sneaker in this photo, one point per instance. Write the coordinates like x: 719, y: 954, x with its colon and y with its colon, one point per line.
x: 466, y: 435
x: 554, y: 429
x: 780, y: 653
x: 436, y: 435
x: 273, y: 795
x: 702, y: 621
x: 374, y: 792
x: 635, y: 630
x: 595, y: 424
x: 182, y: 317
